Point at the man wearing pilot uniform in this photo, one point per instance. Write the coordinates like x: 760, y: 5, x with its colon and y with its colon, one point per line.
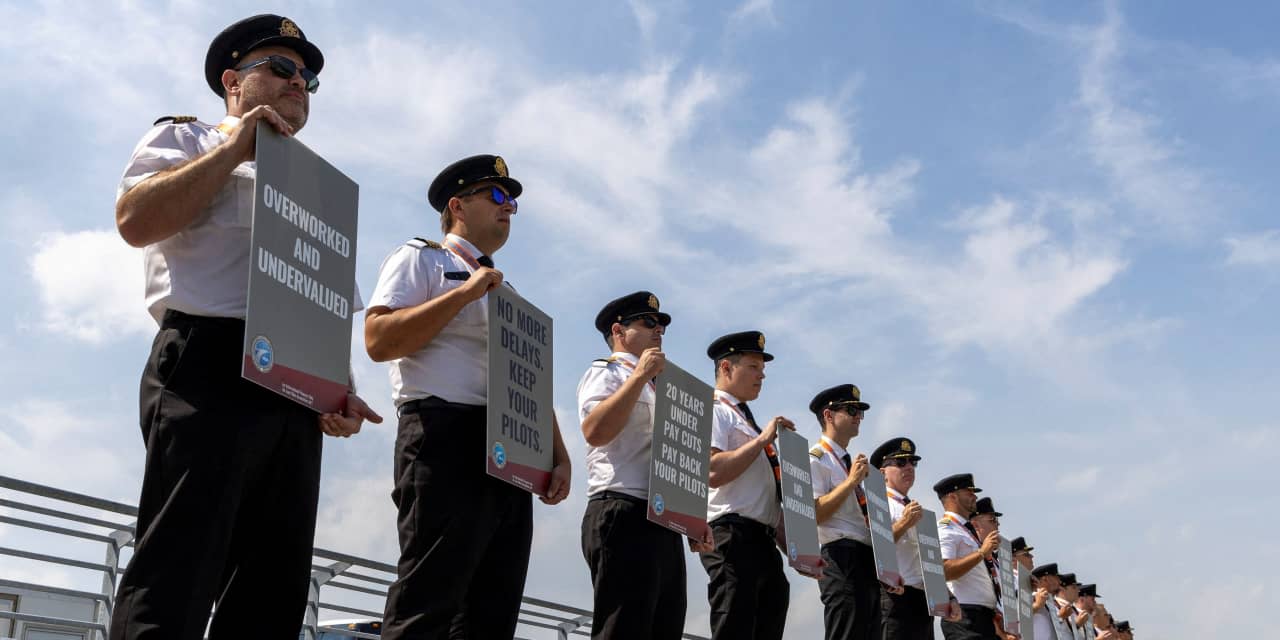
x: 464, y: 535
x: 966, y: 560
x: 849, y: 586
x: 905, y: 615
x: 747, y: 590
x: 1064, y: 601
x: 1044, y: 613
x: 637, y: 567
x: 232, y: 475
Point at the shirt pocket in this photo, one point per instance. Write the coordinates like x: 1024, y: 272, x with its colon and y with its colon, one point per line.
x: 232, y: 206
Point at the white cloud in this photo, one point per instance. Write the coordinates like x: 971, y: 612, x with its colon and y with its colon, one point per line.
x: 71, y: 446
x: 90, y: 285
x: 750, y: 11
x: 1079, y: 480
x: 1260, y: 249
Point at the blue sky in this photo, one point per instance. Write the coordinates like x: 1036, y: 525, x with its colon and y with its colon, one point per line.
x: 1039, y: 236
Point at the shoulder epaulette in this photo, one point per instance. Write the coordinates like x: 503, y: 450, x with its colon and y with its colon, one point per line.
x: 173, y: 120
x: 603, y: 361
x: 816, y: 451
x: 423, y: 243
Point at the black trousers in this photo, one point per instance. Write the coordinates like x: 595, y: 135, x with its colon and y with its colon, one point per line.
x: 637, y: 570
x: 748, y: 592
x: 229, y: 490
x: 464, y: 535
x: 905, y: 617
x: 978, y: 624
x: 850, y: 591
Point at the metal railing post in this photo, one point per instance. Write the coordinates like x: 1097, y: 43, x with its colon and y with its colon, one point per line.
x: 102, y: 611
x: 310, y: 625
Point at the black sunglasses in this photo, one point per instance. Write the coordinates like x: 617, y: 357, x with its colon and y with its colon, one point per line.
x: 901, y: 462
x: 498, y: 196
x: 285, y: 68
x: 649, y: 322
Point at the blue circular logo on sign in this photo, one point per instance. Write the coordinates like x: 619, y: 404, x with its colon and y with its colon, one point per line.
x: 791, y: 551
x: 499, y: 455
x: 263, y: 354
x: 659, y: 505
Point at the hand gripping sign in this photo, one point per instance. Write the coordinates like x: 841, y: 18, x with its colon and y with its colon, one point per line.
x: 680, y: 465
x: 520, y: 415
x: 302, y: 275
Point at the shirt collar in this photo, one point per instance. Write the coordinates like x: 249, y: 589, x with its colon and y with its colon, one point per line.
x: 623, y: 355
x: 228, y: 123
x: 728, y: 396
x: 464, y: 243
x: 835, y: 446
x: 894, y: 492
x: 958, y: 518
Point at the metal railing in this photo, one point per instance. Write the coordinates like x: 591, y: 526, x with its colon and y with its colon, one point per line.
x: 348, y: 584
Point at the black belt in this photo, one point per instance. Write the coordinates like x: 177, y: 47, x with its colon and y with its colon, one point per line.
x: 431, y: 402
x: 616, y: 495
x: 177, y: 319
x: 845, y: 542
x: 744, y: 522
x: 978, y: 607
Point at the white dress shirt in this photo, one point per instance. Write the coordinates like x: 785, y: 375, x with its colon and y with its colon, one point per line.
x: 908, y: 546
x: 974, y: 587
x: 203, y: 269
x: 622, y: 464
x: 828, y: 472
x: 753, y: 494
x: 454, y: 366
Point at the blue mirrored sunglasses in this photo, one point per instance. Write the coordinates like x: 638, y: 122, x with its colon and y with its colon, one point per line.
x: 498, y: 196
x: 285, y: 68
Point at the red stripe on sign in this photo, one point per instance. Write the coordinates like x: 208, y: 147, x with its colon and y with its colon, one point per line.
x: 531, y: 479
x: 807, y: 564
x: 693, y: 526
x: 325, y: 396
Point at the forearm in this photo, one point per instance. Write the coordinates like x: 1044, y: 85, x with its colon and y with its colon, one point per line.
x: 391, y: 334
x: 952, y: 569
x: 726, y: 466
x: 828, y: 504
x: 900, y: 528
x: 168, y: 202
x: 606, y: 420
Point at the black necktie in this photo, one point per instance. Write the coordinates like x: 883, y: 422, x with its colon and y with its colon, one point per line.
x: 485, y: 261
x: 769, y: 451
x: 847, y: 460
x: 990, y: 562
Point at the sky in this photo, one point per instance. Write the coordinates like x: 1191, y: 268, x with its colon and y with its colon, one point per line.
x: 1039, y: 236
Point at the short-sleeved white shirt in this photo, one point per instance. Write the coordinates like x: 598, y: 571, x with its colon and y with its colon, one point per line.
x: 908, y: 546
x: 1042, y: 621
x: 828, y: 472
x: 956, y: 541
x: 454, y: 366
x: 622, y: 464
x: 203, y: 269
x: 753, y: 494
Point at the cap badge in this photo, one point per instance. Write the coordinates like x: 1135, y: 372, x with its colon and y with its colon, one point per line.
x: 906, y: 446
x: 500, y: 166
x: 853, y: 391
x: 653, y: 302
x: 289, y: 29
x: 761, y: 341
